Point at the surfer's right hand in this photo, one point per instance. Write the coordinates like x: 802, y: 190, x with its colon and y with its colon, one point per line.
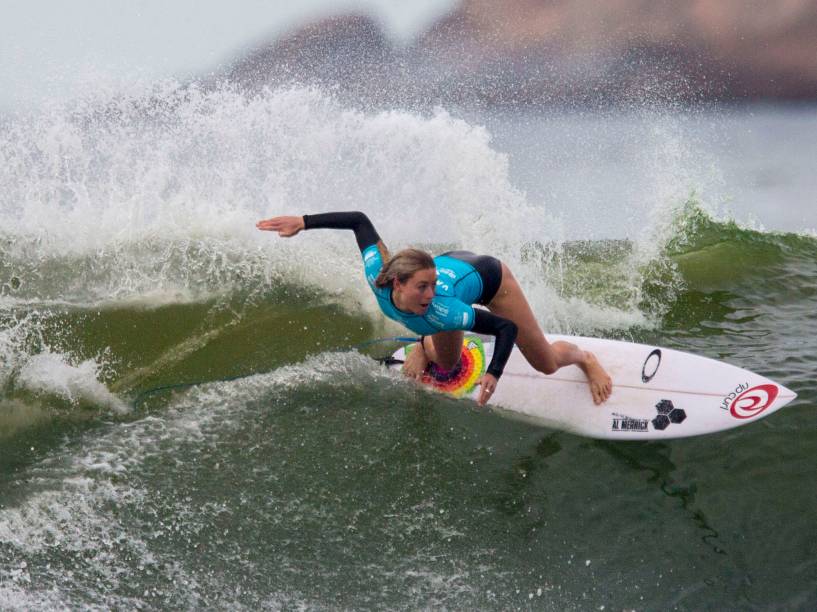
x: 286, y: 226
x: 487, y: 386
x: 416, y: 363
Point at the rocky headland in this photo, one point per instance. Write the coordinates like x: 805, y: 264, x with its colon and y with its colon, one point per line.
x: 535, y: 52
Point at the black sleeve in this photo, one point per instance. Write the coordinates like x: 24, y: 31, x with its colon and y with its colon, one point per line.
x: 365, y: 233
x: 505, y: 332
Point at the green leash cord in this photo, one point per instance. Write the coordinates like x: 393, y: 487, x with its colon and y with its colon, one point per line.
x: 186, y: 385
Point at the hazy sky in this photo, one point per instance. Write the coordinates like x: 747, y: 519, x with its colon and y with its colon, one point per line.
x: 53, y: 48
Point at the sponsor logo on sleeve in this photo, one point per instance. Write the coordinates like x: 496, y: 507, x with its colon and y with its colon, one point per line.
x: 439, y: 309
x: 434, y: 320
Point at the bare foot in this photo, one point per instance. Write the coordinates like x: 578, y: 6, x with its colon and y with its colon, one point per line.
x: 601, y: 385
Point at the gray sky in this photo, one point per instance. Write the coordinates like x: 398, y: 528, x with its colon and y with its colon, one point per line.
x: 52, y: 49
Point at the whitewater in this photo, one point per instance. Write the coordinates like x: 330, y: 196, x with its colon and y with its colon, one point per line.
x: 190, y: 416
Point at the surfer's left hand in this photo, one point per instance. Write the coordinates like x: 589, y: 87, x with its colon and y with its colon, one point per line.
x: 487, y: 388
x: 286, y: 226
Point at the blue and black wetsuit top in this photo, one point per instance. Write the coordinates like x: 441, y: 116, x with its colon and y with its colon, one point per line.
x: 463, y: 279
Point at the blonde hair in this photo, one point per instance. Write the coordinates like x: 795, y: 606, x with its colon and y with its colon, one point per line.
x: 402, y: 266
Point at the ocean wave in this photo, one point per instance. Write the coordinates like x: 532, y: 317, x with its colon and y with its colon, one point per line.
x: 128, y: 230
x: 153, y: 198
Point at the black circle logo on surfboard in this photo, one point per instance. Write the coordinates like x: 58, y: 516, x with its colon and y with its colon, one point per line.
x: 651, y: 365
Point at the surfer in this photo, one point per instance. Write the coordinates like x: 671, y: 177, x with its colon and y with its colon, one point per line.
x: 434, y: 297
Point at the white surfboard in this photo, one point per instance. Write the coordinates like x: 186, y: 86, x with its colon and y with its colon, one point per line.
x: 658, y: 393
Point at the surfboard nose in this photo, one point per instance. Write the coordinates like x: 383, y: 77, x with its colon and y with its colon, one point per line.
x: 785, y: 394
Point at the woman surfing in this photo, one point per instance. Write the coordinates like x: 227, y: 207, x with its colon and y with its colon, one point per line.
x: 435, y: 297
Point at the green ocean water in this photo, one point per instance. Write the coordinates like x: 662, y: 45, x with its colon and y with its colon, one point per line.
x: 190, y: 417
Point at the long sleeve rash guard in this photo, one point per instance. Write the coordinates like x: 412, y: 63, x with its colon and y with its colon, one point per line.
x: 452, y: 305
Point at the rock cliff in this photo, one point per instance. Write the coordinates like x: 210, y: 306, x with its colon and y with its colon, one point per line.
x: 533, y: 52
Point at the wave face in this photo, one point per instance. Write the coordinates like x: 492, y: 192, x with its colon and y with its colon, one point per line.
x: 144, y: 202
x: 185, y: 423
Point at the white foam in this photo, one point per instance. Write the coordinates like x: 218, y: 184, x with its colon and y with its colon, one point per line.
x: 51, y: 373
x: 151, y: 198
x: 14, y: 333
x: 71, y: 508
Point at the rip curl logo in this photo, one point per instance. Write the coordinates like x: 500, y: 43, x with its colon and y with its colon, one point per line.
x: 730, y: 398
x: 751, y: 402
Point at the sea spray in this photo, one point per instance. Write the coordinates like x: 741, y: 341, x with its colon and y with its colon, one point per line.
x: 51, y: 373
x: 150, y: 200
x: 157, y: 196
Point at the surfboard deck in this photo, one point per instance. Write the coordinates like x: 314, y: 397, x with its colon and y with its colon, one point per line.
x: 658, y: 393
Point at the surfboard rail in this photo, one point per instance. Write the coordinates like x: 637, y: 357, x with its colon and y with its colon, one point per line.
x: 658, y: 393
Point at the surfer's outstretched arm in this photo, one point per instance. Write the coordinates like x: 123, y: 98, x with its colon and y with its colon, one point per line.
x: 365, y: 233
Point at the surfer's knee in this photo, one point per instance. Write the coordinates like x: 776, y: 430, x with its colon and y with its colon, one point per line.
x: 447, y: 349
x: 547, y: 363
x: 540, y: 360
x: 543, y: 364
x: 550, y: 369
x: 447, y: 362
x: 547, y: 366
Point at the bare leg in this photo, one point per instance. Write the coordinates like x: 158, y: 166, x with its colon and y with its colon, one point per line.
x: 444, y: 348
x: 510, y: 302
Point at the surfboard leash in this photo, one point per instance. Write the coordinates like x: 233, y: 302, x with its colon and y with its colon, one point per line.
x: 388, y: 360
